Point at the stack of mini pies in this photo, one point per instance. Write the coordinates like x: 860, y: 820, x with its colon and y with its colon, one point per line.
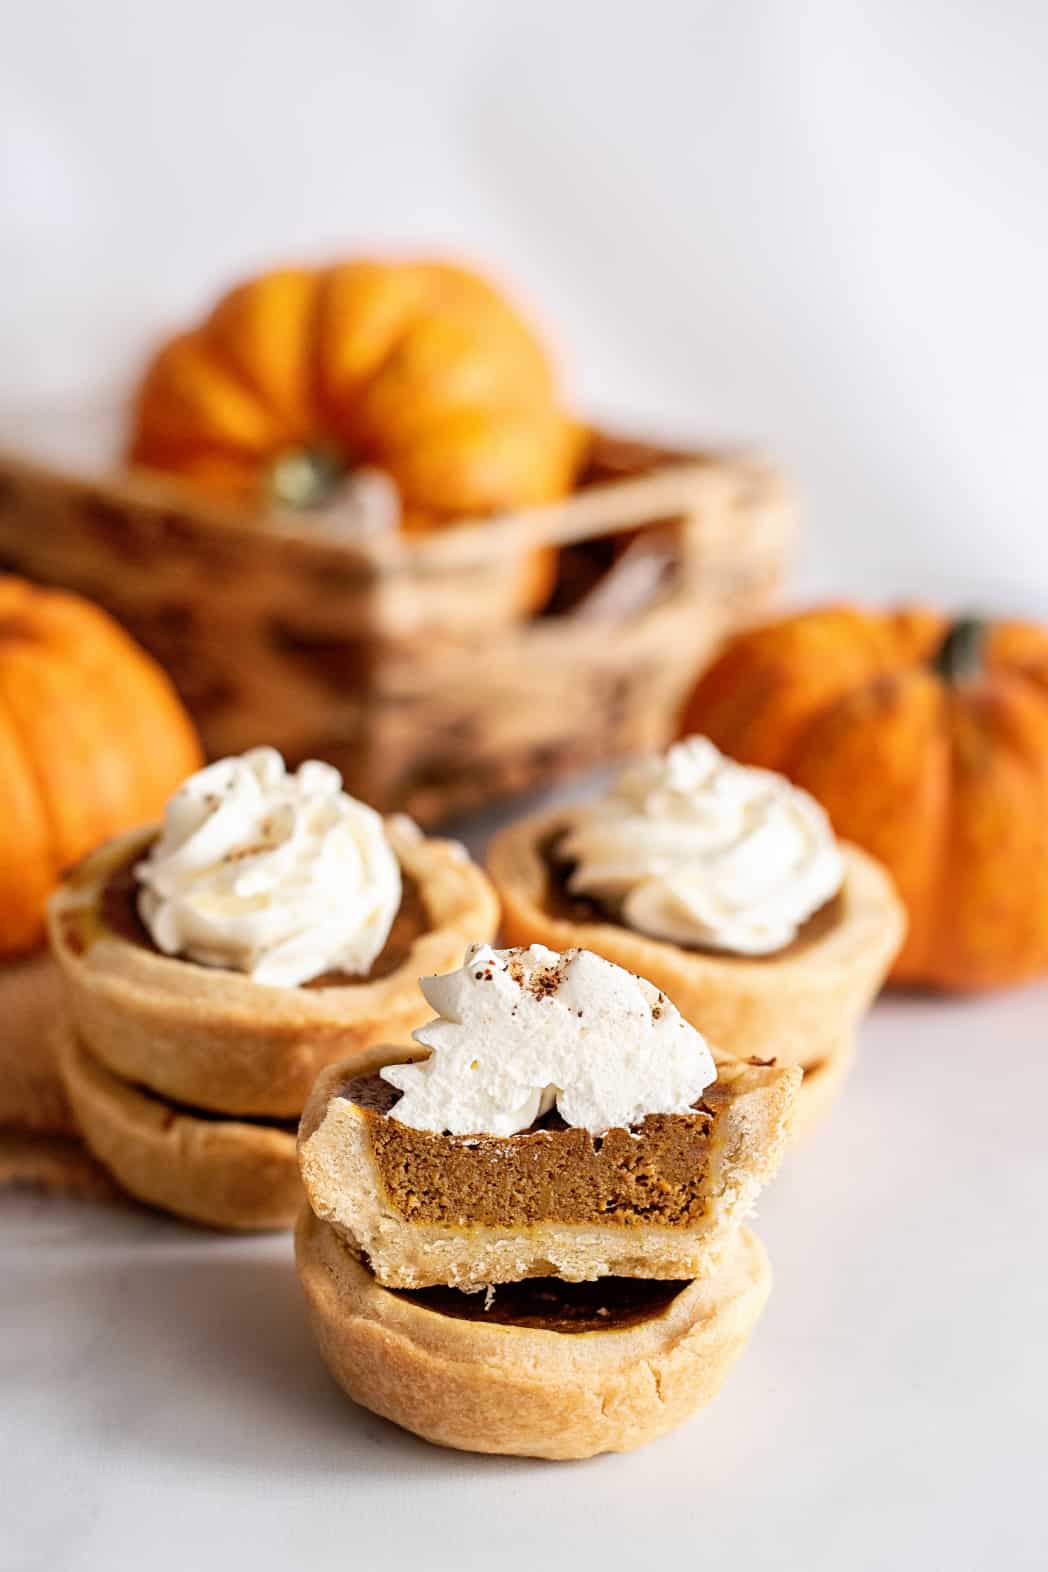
x: 550, y: 1293
x: 187, y: 1081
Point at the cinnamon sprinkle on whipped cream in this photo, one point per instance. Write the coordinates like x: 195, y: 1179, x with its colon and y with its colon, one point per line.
x: 521, y: 1031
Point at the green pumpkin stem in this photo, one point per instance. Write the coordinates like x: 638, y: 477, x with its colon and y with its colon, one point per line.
x: 303, y: 478
x: 959, y: 657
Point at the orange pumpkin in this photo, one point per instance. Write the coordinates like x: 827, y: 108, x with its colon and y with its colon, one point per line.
x: 927, y: 743
x: 93, y: 740
x: 421, y: 369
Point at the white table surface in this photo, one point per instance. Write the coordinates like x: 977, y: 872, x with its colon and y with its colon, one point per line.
x: 162, y: 1404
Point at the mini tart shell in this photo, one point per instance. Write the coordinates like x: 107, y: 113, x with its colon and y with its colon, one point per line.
x: 215, y: 1039
x: 220, y: 1172
x: 527, y: 1391
x: 800, y: 1007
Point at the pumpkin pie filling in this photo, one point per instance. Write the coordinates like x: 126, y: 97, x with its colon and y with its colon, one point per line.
x: 657, y: 1172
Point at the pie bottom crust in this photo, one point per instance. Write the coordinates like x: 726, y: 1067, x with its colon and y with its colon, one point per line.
x: 224, y: 1173
x: 525, y: 1391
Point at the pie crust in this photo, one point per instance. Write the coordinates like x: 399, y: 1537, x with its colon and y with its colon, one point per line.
x: 215, y: 1039
x: 801, y: 1006
x: 526, y: 1390
x: 225, y: 1173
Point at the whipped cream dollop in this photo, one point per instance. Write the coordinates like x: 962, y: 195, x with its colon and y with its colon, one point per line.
x: 522, y: 1030
x: 282, y: 876
x: 694, y: 848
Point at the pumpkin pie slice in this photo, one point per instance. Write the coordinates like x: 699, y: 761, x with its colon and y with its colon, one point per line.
x: 656, y: 1201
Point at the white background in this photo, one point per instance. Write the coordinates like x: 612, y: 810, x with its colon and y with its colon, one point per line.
x: 819, y: 226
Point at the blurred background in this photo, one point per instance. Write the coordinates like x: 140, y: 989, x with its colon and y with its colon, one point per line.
x: 815, y: 225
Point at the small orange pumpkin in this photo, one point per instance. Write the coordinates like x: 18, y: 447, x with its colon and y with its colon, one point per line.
x: 421, y: 369
x: 927, y: 743
x: 93, y: 740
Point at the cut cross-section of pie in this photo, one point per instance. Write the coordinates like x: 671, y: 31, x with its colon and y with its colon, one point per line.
x: 655, y: 1201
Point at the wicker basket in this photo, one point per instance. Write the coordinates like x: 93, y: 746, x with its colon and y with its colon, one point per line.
x: 398, y: 659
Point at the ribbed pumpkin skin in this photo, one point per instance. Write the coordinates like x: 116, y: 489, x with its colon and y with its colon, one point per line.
x: 420, y: 368
x: 93, y: 740
x: 943, y: 778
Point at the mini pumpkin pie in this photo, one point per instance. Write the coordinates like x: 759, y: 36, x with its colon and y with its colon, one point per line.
x: 725, y: 887
x: 542, y: 1369
x: 273, y: 924
x: 570, y: 1148
x: 236, y: 1174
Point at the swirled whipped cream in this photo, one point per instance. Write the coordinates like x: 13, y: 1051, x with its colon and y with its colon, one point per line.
x: 282, y: 876
x: 694, y: 848
x: 521, y: 1030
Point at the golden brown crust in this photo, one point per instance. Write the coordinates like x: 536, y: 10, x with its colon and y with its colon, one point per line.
x: 345, y: 1187
x: 32, y: 1096
x: 519, y: 1390
x: 216, y: 1039
x: 796, y: 1008
x: 220, y: 1172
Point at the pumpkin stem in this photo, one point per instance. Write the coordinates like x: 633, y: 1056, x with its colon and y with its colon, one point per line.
x: 959, y: 656
x: 304, y: 478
